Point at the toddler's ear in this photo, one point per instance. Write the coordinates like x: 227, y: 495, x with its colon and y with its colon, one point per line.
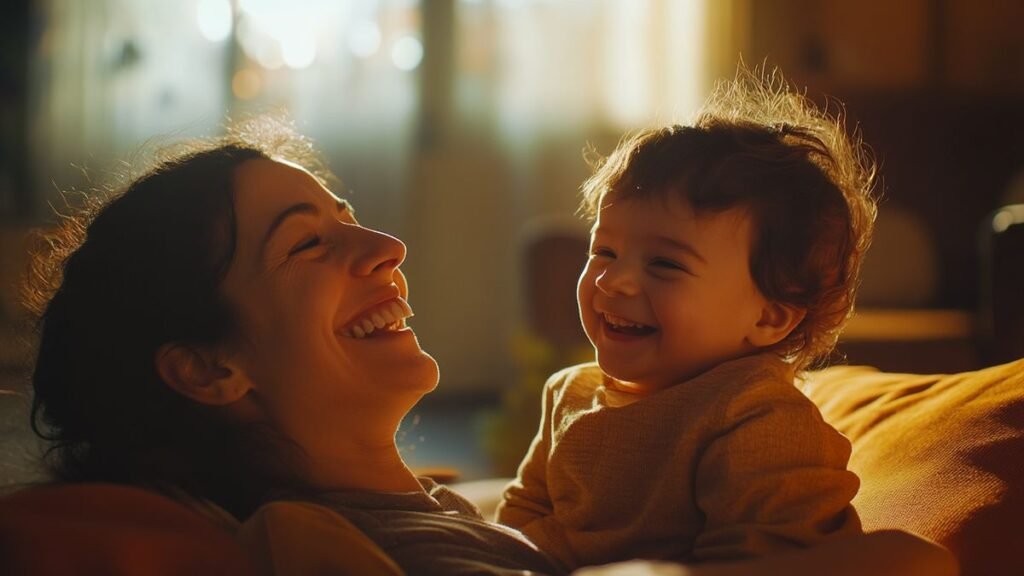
x: 198, y: 374
x: 776, y: 322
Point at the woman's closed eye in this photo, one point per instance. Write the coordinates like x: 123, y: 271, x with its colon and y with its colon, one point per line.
x: 311, y: 242
x: 602, y: 252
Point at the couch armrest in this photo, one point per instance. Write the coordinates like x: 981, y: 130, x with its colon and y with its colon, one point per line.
x: 937, y: 455
x: 112, y: 530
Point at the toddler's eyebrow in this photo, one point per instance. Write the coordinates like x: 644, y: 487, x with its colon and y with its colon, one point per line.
x: 679, y: 245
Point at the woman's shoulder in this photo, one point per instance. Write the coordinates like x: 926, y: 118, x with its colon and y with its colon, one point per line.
x: 299, y: 537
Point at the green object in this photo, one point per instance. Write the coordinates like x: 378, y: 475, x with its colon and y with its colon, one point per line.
x: 506, y: 432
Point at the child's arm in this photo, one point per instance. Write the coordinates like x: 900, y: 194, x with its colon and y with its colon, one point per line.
x: 775, y: 479
x: 526, y: 498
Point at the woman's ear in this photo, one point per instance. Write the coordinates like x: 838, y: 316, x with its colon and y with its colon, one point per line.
x: 198, y: 374
x: 776, y: 322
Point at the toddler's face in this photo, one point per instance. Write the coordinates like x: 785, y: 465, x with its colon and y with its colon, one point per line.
x: 667, y: 294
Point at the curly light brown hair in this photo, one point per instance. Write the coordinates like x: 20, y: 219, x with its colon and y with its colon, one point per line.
x: 807, y: 184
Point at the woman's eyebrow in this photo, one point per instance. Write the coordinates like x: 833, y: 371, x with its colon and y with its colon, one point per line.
x: 300, y: 208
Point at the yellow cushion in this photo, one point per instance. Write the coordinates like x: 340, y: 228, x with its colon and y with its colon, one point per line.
x: 938, y: 455
x: 303, y: 539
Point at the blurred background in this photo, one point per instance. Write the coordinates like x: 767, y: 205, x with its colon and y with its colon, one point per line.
x: 459, y: 126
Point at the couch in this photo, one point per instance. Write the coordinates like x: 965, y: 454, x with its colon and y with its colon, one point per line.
x: 939, y: 455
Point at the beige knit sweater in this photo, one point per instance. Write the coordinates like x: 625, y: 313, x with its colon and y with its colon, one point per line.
x: 732, y: 464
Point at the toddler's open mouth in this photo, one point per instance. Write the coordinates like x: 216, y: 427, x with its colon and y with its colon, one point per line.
x: 625, y: 327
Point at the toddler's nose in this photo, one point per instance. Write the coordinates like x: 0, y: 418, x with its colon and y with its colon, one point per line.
x: 618, y: 280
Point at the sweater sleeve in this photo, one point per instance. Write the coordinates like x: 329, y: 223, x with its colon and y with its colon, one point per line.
x: 775, y: 478
x: 526, y: 499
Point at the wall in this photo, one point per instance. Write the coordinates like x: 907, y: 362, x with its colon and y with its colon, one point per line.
x: 937, y: 88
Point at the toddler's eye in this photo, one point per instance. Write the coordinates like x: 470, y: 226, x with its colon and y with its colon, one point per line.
x: 305, y: 245
x: 668, y: 265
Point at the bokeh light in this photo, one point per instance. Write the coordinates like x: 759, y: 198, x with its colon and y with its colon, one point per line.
x: 215, y: 19
x: 364, y: 39
x: 407, y: 53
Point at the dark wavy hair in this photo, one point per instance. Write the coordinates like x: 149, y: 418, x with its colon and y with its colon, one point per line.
x: 126, y: 275
x: 808, y: 186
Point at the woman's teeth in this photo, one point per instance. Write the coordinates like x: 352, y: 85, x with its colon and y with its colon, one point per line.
x: 387, y: 317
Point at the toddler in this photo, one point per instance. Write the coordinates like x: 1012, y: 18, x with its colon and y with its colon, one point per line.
x: 723, y: 261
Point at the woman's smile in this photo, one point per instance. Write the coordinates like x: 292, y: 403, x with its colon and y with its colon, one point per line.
x: 381, y: 319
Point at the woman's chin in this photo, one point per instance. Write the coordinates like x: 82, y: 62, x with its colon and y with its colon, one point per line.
x: 420, y: 374
x: 432, y: 374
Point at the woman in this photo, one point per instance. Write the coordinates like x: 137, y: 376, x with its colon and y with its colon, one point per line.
x: 226, y: 331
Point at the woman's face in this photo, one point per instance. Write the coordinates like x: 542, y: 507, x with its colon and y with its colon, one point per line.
x: 308, y: 283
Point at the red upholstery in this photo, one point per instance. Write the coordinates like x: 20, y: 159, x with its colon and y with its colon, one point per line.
x: 111, y: 530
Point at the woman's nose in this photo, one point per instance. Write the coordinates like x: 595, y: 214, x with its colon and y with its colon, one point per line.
x: 617, y: 279
x: 376, y: 252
